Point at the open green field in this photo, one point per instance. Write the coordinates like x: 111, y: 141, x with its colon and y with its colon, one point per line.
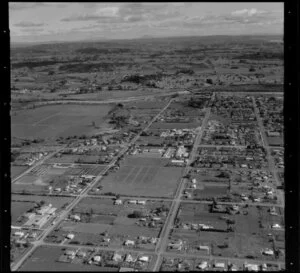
x: 175, y: 125
x: 58, y: 120
x: 16, y: 170
x: 143, y: 176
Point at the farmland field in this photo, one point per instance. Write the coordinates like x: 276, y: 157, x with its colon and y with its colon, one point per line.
x: 173, y: 125
x: 16, y: 170
x: 143, y: 177
x: 35, y: 123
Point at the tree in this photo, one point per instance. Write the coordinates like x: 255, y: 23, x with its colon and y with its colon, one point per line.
x: 136, y: 214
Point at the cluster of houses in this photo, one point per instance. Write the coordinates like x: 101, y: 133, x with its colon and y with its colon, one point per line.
x: 213, y: 265
x: 271, y: 111
x: 217, y: 157
x: 278, y: 156
x: 75, y: 184
x: 104, y: 259
x: 233, y: 134
x: 39, y: 217
x: 33, y: 158
x: 234, y: 107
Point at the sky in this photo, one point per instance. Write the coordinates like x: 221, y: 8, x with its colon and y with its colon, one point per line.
x: 46, y: 22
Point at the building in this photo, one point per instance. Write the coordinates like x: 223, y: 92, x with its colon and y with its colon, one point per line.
x: 97, y: 258
x: 70, y: 236
x: 129, y: 243
x: 144, y: 259
x: 117, y: 257
x: 118, y: 202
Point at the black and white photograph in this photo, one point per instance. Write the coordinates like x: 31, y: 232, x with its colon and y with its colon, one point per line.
x: 147, y: 136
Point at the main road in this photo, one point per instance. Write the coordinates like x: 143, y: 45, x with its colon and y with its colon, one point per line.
x: 272, y: 167
x: 82, y: 195
x: 161, y: 245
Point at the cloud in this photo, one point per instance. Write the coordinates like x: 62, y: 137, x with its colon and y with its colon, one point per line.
x: 28, y: 24
x: 128, y: 13
x: 28, y: 5
x: 21, y: 6
x: 247, y: 12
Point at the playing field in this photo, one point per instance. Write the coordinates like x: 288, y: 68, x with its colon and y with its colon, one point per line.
x: 58, y: 120
x: 143, y: 177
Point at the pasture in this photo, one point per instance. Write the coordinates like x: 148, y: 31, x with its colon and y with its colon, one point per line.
x: 143, y: 176
x: 54, y: 121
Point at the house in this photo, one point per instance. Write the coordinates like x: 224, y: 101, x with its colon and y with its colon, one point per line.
x: 251, y: 267
x: 153, y: 240
x: 202, y: 265
x: 70, y: 236
x: 129, y: 243
x: 156, y: 218
x: 132, y: 202
x: 70, y: 253
x: 106, y: 239
x: 276, y: 226
x: 200, y: 247
x: 97, y: 259
x: 141, y: 202
x: 219, y: 265
x: 178, y: 245
x: 81, y: 254
x: 118, y: 202
x: 117, y: 257
x: 268, y: 252
x: 19, y: 233
x: 144, y: 259
x: 129, y: 259
x: 75, y: 217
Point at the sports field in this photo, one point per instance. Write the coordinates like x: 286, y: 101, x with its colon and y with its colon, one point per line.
x: 59, y: 120
x: 143, y: 177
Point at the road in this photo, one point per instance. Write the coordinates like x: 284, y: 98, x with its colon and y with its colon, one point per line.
x: 82, y: 195
x: 97, y: 102
x: 161, y: 245
x: 40, y: 162
x: 272, y: 167
x: 173, y: 255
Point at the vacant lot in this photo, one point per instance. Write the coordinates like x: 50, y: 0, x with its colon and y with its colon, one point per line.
x: 58, y: 120
x: 275, y: 141
x: 143, y: 177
